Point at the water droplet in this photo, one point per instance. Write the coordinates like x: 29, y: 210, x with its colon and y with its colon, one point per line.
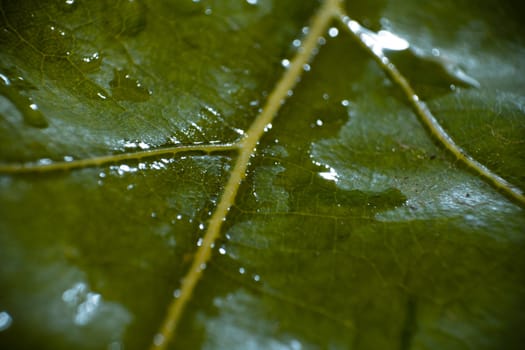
x: 153, y: 215
x: 53, y: 40
x: 179, y: 217
x: 201, y: 226
x: 5, y: 80
x: 68, y: 159
x: 330, y: 175
x: 256, y: 278
x: 208, y: 11
x: 306, y: 67
x: 222, y: 251
x: 305, y: 30
x: 130, y: 187
x: 176, y: 293
x: 129, y: 144
x: 68, y: 5
x: 32, y: 115
x: 285, y: 63
x: 199, y: 242
x: 267, y: 128
x: 5, y: 321
x: 44, y: 161
x: 333, y: 32
x: 319, y: 122
x: 345, y: 103
x: 321, y: 41
x: 242, y: 271
x: 101, y: 95
x: 390, y: 41
x: 289, y: 93
x: 202, y: 267
x: 143, y: 145
x: 28, y: 108
x: 435, y: 52
x: 90, y: 62
x: 252, y: 2
x: 326, y: 96
x: 296, y: 43
x: 158, y: 339
x: 353, y: 25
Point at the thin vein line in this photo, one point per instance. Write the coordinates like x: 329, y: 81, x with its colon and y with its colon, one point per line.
x: 428, y: 119
x: 102, y: 160
x: 319, y: 25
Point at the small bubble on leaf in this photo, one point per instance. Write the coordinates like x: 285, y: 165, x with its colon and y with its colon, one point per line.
x: 5, y: 321
x: 333, y: 32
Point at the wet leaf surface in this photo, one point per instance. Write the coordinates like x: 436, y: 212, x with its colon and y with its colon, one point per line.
x: 353, y: 228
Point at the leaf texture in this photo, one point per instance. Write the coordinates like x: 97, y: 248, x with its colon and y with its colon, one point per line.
x: 352, y: 227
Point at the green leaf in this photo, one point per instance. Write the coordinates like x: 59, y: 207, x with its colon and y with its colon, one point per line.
x: 126, y: 126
